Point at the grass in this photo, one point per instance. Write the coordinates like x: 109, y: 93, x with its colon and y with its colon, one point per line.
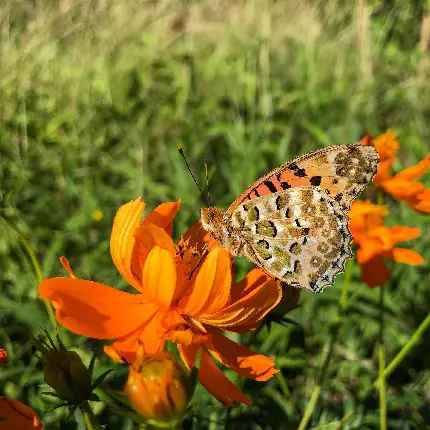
x: 96, y: 98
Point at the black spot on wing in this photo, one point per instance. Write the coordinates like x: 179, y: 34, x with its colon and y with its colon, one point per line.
x: 312, y: 285
x: 293, y: 247
x: 301, y: 173
x: 271, y: 186
x: 315, y: 180
x: 285, y: 185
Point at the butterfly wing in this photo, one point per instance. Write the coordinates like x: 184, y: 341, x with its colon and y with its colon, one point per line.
x: 299, y: 236
x: 342, y: 170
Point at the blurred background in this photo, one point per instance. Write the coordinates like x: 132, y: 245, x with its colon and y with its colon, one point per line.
x: 95, y: 98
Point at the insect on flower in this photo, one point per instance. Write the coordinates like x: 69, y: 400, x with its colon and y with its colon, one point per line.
x: 293, y: 222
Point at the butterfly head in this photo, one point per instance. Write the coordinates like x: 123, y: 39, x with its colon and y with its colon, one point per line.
x: 211, y: 218
x: 215, y: 221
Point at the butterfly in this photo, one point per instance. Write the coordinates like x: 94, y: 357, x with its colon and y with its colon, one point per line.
x: 293, y: 221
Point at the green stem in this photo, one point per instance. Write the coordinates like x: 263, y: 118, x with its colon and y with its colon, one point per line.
x: 90, y: 419
x: 342, y: 306
x: 310, y: 408
x: 404, y: 351
x: 382, y: 389
x: 285, y: 391
x: 36, y: 267
x: 381, y: 354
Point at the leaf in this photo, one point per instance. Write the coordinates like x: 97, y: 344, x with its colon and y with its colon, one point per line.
x: 100, y: 379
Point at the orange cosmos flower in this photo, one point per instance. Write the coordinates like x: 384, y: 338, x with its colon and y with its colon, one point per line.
x: 387, y: 146
x: 16, y: 415
x: 401, y: 186
x: 376, y: 241
x: 184, y: 295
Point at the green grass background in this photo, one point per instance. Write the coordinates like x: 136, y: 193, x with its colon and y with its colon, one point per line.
x: 95, y: 98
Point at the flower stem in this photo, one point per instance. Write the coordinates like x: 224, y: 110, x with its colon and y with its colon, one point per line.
x: 381, y: 354
x: 36, y: 266
x: 90, y: 419
x: 342, y: 306
x: 403, y: 352
x: 286, y: 391
x: 310, y: 408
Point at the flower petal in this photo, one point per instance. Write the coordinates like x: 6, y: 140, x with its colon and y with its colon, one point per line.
x: 374, y: 272
x: 163, y: 215
x: 122, y: 241
x: 400, y: 188
x: 403, y: 255
x: 211, y: 290
x: 416, y: 171
x: 147, y: 337
x: 95, y: 310
x: 159, y: 274
x: 3, y: 356
x: 242, y: 360
x: 211, y: 377
x: 252, y: 280
x: 401, y: 233
x: 384, y: 171
x: 369, y: 247
x: 16, y: 415
x: 247, y: 310
x: 151, y: 235
x: 151, y: 336
x: 423, y: 204
x: 124, y: 349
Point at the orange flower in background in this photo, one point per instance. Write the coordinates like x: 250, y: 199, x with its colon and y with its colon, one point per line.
x: 376, y: 242
x: 16, y: 415
x: 387, y: 146
x: 401, y: 186
x: 184, y: 295
x: 3, y: 356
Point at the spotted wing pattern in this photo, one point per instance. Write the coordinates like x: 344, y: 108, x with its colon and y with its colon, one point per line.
x: 299, y: 236
x: 343, y: 171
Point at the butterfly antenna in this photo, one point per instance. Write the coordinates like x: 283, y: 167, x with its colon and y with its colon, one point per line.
x: 207, y: 181
x: 191, y: 173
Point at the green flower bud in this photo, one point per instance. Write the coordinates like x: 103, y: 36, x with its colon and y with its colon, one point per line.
x: 67, y: 375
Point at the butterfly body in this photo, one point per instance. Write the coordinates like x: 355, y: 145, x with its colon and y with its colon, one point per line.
x: 293, y: 221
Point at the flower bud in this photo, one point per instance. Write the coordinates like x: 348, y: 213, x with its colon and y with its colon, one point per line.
x: 67, y: 375
x: 65, y: 372
x: 158, y: 389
